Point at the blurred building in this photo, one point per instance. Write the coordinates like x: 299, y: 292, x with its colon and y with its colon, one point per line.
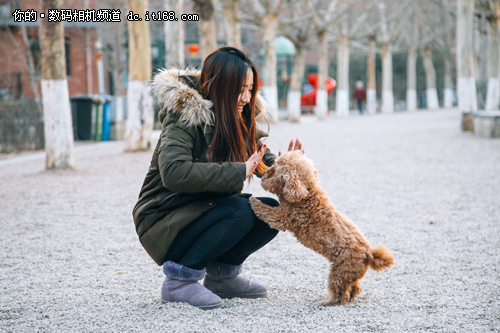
x: 15, y: 49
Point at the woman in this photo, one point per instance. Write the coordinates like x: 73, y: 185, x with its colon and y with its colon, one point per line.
x: 191, y: 216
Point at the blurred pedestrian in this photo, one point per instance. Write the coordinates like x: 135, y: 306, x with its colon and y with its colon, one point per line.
x: 359, y: 95
x: 191, y: 216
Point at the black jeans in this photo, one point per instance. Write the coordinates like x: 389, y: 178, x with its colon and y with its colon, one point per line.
x: 361, y: 105
x: 227, y: 233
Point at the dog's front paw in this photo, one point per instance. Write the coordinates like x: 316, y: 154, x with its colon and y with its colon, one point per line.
x: 260, y: 209
x: 253, y: 200
x: 256, y: 205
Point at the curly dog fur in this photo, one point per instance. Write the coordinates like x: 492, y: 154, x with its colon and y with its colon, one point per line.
x: 307, y: 212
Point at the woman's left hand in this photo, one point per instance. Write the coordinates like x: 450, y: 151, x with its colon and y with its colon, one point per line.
x: 296, y: 146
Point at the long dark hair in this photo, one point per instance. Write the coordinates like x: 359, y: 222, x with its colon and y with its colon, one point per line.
x: 221, y: 81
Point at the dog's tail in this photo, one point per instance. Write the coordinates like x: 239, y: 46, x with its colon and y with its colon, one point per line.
x: 381, y: 258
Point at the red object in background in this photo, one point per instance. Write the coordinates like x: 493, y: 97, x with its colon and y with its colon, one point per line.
x: 309, y: 98
x: 193, y: 48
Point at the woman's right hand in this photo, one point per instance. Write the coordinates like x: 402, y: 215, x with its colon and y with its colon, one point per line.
x: 254, y: 160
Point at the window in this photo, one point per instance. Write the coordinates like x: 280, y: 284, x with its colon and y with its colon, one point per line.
x: 37, y: 54
x: 68, y: 58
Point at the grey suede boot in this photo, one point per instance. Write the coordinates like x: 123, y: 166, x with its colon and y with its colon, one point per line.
x: 181, y: 285
x: 225, y: 281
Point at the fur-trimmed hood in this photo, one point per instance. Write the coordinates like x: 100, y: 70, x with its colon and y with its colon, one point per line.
x: 176, y: 91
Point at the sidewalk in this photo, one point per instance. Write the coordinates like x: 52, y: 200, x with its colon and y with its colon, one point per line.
x: 71, y: 260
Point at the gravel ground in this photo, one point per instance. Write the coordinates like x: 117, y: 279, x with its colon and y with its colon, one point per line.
x: 71, y: 260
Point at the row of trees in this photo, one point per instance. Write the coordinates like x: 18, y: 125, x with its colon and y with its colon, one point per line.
x: 367, y: 26
x: 380, y: 26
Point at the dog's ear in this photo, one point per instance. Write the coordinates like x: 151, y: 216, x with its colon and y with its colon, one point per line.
x: 294, y: 190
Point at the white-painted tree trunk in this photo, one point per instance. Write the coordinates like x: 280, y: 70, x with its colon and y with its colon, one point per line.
x: 432, y: 99
x: 411, y: 79
x: 342, y: 95
x: 271, y: 96
x: 448, y: 98
x: 371, y: 99
x: 493, y: 92
x: 387, y: 93
x: 467, y: 100
x: 430, y: 79
x: 293, y: 104
x: 269, y: 29
x: 57, y: 124
x: 371, y: 93
x: 294, y: 95
x: 466, y: 83
x: 230, y: 9
x: 342, y: 102
x: 140, y: 118
x: 448, y: 86
x: 174, y: 35
x: 321, y: 108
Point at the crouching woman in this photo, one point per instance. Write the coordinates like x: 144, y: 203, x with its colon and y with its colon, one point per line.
x: 191, y: 216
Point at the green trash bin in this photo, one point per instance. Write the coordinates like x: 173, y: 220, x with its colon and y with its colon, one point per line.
x: 84, y: 118
x: 86, y: 112
x: 98, y: 104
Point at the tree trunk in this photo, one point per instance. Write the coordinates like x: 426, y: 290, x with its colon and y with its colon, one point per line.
x: 293, y: 98
x: 342, y: 98
x: 31, y: 64
x: 206, y: 26
x: 117, y: 63
x: 174, y: 35
x: 387, y: 94
x: 321, y: 109
x: 466, y: 83
x: 430, y: 79
x: 411, y: 79
x: 493, y: 94
x: 448, y: 86
x: 230, y: 9
x: 269, y: 29
x: 481, y: 45
x: 55, y: 96
x: 140, y: 118
x: 371, y: 94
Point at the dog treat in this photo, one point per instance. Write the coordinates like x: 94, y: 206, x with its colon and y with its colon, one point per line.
x: 306, y: 211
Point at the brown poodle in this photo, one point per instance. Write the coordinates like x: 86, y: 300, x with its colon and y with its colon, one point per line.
x: 307, y: 212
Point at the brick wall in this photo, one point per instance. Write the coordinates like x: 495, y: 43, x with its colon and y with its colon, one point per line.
x: 83, y: 67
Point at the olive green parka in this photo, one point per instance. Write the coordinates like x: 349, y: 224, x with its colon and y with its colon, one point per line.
x: 181, y: 184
